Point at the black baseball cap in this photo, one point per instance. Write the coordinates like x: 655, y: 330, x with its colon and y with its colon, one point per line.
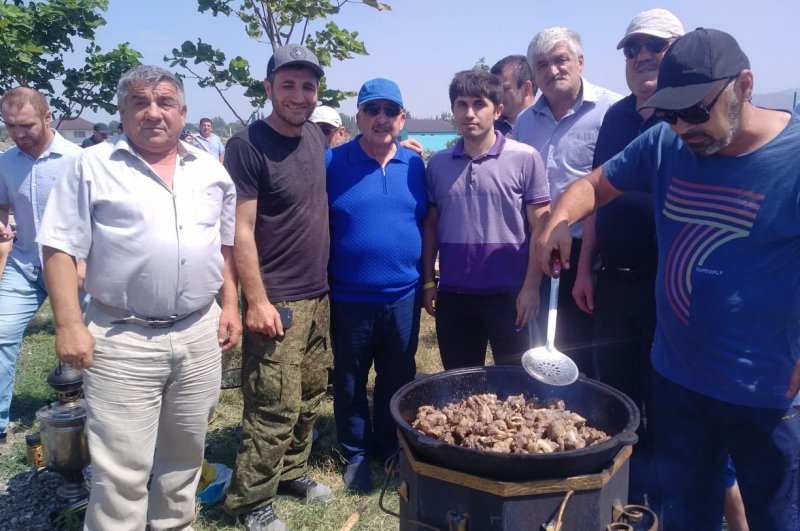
x: 294, y: 54
x: 692, y: 65
x: 101, y: 128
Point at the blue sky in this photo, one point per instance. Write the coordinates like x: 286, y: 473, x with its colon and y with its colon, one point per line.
x: 421, y: 43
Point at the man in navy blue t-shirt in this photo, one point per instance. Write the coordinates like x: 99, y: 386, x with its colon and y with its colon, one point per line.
x: 725, y: 183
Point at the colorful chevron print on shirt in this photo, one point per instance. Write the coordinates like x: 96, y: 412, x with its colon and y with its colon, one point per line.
x: 713, y: 216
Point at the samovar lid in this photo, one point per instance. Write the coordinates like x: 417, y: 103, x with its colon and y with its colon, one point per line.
x: 63, y: 412
x: 65, y: 378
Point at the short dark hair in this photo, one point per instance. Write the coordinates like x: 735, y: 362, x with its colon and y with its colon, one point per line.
x: 521, y: 68
x: 478, y: 84
x: 205, y: 120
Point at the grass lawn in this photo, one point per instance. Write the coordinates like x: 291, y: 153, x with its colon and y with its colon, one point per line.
x: 31, y: 391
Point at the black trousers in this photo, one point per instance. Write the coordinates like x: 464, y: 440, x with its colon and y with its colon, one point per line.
x: 465, y: 324
x: 624, y: 324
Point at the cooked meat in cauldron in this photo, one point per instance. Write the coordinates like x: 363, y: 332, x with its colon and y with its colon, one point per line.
x: 484, y: 422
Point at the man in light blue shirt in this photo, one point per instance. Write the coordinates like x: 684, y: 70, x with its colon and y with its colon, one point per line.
x: 563, y: 125
x: 27, y: 173
x: 209, y: 141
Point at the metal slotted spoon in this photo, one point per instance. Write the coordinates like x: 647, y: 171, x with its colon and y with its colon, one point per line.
x: 546, y: 364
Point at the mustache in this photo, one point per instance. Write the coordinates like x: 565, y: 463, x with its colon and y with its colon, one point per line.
x: 693, y: 134
x: 649, y: 63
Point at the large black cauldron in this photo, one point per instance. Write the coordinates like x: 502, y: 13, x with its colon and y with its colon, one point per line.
x: 604, y: 408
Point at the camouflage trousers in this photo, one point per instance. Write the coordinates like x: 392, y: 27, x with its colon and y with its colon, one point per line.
x: 283, y: 383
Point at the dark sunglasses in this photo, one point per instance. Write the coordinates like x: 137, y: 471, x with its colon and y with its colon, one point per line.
x: 328, y: 129
x: 696, y: 114
x: 391, y: 110
x: 633, y: 47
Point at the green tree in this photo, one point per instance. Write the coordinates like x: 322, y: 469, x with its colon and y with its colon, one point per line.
x: 276, y: 23
x: 35, y: 39
x: 218, y: 123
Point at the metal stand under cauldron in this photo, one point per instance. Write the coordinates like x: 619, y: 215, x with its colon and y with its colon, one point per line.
x: 432, y: 497
x: 64, y: 449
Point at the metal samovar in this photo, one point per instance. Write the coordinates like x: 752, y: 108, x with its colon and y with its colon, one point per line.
x: 64, y: 448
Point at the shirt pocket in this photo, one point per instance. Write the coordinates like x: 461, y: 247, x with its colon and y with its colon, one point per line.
x: 579, y: 151
x: 207, y: 206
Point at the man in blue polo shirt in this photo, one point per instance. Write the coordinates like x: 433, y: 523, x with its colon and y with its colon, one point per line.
x: 376, y: 192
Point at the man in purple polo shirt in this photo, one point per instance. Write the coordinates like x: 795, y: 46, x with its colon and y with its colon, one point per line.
x: 486, y: 195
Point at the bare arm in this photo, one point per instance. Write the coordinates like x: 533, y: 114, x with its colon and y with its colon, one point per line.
x: 6, y: 236
x: 414, y: 145
x: 528, y: 297
x: 261, y: 315
x: 430, y: 246
x: 5, y: 249
x: 583, y: 290
x: 582, y: 198
x: 230, y: 325
x: 74, y: 343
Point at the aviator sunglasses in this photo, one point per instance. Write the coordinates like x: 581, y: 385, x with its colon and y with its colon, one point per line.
x: 696, y: 114
x: 633, y: 47
x: 391, y: 110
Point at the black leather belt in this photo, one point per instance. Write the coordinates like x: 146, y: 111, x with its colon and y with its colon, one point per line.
x: 151, y: 323
x: 125, y: 317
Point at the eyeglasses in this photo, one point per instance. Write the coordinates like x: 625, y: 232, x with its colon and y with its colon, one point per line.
x: 328, y: 129
x: 391, y: 110
x: 696, y: 114
x: 633, y: 47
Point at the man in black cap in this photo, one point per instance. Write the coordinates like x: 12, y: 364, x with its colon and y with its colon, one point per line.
x: 281, y: 253
x: 725, y: 182
x: 100, y: 134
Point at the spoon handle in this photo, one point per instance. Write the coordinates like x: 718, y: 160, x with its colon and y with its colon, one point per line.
x: 552, y: 314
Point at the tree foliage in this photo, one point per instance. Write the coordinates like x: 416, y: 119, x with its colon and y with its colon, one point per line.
x: 274, y: 23
x: 37, y: 37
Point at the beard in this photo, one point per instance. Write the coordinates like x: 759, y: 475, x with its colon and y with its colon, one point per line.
x: 713, y: 145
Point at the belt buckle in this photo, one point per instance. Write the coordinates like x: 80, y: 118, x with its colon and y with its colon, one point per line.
x: 162, y: 323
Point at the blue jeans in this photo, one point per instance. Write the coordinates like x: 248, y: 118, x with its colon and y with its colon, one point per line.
x: 20, y: 298
x: 693, y: 436
x: 363, y: 334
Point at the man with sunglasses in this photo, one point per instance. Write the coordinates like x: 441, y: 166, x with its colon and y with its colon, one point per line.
x: 563, y: 125
x: 328, y: 119
x: 725, y: 183
x: 377, y: 198
x: 621, y: 296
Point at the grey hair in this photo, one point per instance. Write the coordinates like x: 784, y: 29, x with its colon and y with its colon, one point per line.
x: 549, y: 38
x: 148, y: 75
